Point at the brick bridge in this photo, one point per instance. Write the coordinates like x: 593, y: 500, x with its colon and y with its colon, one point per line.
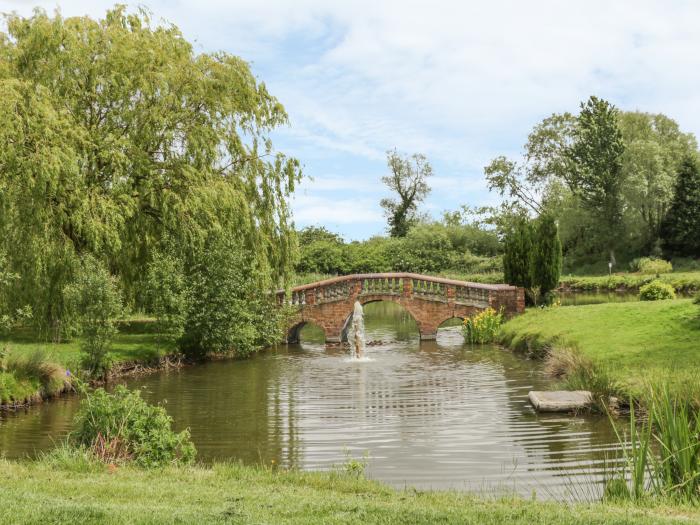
x: 429, y: 300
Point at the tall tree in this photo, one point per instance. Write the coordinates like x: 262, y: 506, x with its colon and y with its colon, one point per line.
x: 526, y: 183
x: 655, y: 148
x: 547, y: 257
x: 595, y: 167
x: 681, y: 227
x: 408, y: 179
x: 517, y: 253
x: 114, y: 134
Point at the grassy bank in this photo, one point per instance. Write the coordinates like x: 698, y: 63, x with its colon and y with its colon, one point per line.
x: 36, y: 369
x: 45, y: 492
x: 683, y: 282
x: 630, y: 344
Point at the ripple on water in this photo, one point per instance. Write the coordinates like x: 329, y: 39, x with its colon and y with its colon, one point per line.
x: 431, y: 414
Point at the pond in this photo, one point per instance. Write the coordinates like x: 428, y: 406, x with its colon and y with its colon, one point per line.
x: 432, y: 414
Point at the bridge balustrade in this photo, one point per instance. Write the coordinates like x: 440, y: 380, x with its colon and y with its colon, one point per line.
x: 382, y: 286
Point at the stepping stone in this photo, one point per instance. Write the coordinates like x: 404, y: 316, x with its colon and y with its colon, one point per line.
x: 560, y: 400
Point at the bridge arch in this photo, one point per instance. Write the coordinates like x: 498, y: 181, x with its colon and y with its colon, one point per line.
x: 365, y: 301
x: 294, y: 331
x: 429, y: 300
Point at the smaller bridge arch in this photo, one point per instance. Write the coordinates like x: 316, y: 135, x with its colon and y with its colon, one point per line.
x: 429, y: 300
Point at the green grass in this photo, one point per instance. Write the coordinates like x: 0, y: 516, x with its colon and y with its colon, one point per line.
x: 136, y: 342
x: 635, y: 343
x: 84, y: 493
x: 683, y: 282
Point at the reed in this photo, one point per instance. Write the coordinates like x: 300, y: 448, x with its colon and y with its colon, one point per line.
x: 662, y: 454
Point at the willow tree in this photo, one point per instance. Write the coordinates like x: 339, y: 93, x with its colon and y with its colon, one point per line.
x: 115, y: 134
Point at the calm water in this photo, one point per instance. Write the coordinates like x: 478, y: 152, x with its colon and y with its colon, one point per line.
x: 432, y: 415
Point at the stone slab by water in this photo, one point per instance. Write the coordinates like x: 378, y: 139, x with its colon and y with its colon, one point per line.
x: 559, y: 400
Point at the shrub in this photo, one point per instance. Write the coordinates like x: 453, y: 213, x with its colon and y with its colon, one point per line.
x: 229, y: 311
x: 517, y: 254
x: 483, y: 327
x: 656, y: 291
x: 547, y: 257
x: 94, y: 302
x: 123, y: 427
x: 166, y: 289
x: 697, y: 299
x: 652, y: 266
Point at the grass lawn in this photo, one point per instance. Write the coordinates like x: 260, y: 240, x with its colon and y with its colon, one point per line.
x: 48, y: 493
x: 635, y: 342
x: 135, y: 342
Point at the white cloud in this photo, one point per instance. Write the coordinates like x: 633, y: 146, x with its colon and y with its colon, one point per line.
x: 458, y: 81
x: 314, y: 210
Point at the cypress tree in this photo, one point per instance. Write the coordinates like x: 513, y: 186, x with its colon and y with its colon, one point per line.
x: 547, y: 257
x: 517, y: 256
x: 680, y: 230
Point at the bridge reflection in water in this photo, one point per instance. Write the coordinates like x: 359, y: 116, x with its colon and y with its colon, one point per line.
x: 432, y: 414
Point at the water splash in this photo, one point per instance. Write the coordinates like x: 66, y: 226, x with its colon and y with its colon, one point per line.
x: 356, y: 337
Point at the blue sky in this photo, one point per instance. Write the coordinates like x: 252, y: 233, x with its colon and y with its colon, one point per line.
x: 460, y: 82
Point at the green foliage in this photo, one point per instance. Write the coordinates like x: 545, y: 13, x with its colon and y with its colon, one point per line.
x: 547, y: 257
x: 452, y: 244
x: 426, y: 248
x: 114, y: 135
x: 517, y: 254
x: 323, y: 256
x: 547, y: 180
x: 656, y: 291
x: 121, y: 426
x: 662, y: 458
x: 595, y: 157
x: 482, y: 327
x: 95, y: 303
x: 167, y: 293
x: 654, y: 151
x: 681, y: 282
x: 8, y: 318
x: 227, y: 313
x: 26, y: 378
x: 372, y: 256
x: 681, y: 226
x: 651, y: 266
x: 317, y: 233
x: 408, y: 179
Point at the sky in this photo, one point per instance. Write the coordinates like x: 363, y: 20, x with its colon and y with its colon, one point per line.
x: 460, y: 82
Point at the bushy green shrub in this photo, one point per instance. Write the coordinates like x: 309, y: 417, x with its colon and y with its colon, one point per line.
x: 229, y: 311
x: 94, y: 303
x: 483, y: 327
x: 426, y: 248
x: 122, y: 427
x: 656, y: 291
x: 323, y: 257
x: 650, y: 266
x: 166, y: 291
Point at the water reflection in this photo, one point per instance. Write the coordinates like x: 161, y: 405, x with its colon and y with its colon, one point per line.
x: 436, y: 414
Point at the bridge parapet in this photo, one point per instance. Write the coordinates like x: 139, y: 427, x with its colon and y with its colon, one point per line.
x: 430, y: 300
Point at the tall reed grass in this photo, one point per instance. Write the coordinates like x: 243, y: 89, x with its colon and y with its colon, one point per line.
x: 661, y: 452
